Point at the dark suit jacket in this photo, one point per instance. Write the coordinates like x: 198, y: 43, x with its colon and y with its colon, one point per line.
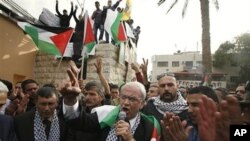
x: 89, y: 122
x: 7, y: 131
x: 24, y: 126
x: 79, y: 135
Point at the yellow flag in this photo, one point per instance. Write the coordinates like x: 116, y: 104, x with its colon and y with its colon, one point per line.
x: 127, y: 11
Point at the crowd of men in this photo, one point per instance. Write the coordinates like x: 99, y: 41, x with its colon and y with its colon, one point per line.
x: 99, y: 17
x: 78, y: 110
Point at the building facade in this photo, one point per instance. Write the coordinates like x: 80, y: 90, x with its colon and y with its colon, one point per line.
x: 187, y: 68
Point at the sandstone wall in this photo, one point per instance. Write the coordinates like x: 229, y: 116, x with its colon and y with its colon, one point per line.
x: 46, y: 67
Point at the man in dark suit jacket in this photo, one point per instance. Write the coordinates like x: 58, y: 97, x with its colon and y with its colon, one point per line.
x: 43, y: 122
x: 135, y: 126
x: 7, y: 132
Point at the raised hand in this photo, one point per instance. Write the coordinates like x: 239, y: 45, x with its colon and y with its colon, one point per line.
x: 206, y: 119
x: 174, y: 129
x: 144, y: 66
x: 135, y: 67
x: 230, y: 113
x: 70, y: 88
x: 22, y: 105
x: 98, y: 65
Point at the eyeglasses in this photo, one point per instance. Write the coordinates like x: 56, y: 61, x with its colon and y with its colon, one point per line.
x: 165, y: 74
x: 241, y: 91
x: 130, y: 98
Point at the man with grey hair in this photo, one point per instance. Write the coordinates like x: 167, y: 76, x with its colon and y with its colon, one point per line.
x: 105, y: 119
x: 94, y: 95
x: 7, y: 131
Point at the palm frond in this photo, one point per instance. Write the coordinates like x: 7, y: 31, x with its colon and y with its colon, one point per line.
x: 173, y: 4
x: 160, y: 2
x: 184, y: 8
x: 216, y: 3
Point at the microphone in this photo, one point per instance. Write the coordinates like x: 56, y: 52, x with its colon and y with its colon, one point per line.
x: 122, y: 116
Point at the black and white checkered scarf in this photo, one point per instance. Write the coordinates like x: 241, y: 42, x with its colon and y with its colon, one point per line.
x: 112, y: 135
x: 39, y: 129
x: 175, y: 107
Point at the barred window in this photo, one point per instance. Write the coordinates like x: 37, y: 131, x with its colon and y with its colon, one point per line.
x: 162, y: 64
x: 175, y: 64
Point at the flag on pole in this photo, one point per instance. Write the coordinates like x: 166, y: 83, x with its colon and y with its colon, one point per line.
x: 41, y: 38
x: 129, y: 31
x: 61, y: 40
x: 127, y: 11
x: 114, y: 26
x: 89, y: 38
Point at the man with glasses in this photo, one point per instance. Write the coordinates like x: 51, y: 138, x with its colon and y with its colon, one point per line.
x: 169, y: 99
x: 105, y: 119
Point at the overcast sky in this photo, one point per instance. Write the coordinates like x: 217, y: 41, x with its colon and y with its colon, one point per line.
x: 165, y: 34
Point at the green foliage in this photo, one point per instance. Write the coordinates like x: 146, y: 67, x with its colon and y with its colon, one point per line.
x: 236, y: 53
x: 244, y: 74
x: 223, y: 54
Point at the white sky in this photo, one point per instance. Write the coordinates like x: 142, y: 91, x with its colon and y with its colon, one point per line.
x: 165, y: 34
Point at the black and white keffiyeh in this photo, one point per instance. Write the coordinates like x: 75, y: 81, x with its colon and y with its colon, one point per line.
x: 112, y: 136
x: 175, y: 107
x: 39, y: 128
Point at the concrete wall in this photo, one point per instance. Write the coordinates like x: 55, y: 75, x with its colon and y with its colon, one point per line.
x: 17, y: 52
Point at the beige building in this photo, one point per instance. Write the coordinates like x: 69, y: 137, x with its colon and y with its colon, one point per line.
x: 17, y: 51
x: 187, y: 67
x: 175, y: 63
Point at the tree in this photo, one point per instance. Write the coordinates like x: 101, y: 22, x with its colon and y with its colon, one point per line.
x: 223, y: 54
x: 237, y: 53
x: 243, y: 56
x: 206, y: 51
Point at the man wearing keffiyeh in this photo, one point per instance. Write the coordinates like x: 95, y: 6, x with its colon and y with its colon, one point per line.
x: 41, y: 123
x: 169, y: 99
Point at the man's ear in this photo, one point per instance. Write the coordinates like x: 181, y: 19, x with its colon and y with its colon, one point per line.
x: 142, y: 104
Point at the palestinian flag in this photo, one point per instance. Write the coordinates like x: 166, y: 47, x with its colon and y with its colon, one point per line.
x: 114, y: 26
x: 157, y: 128
x: 61, y: 40
x: 42, y: 38
x: 89, y: 38
x: 107, y: 116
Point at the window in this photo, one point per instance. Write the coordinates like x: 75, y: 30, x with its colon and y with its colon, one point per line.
x: 175, y: 64
x: 162, y: 64
x: 198, y: 63
x: 189, y: 64
x: 234, y: 78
